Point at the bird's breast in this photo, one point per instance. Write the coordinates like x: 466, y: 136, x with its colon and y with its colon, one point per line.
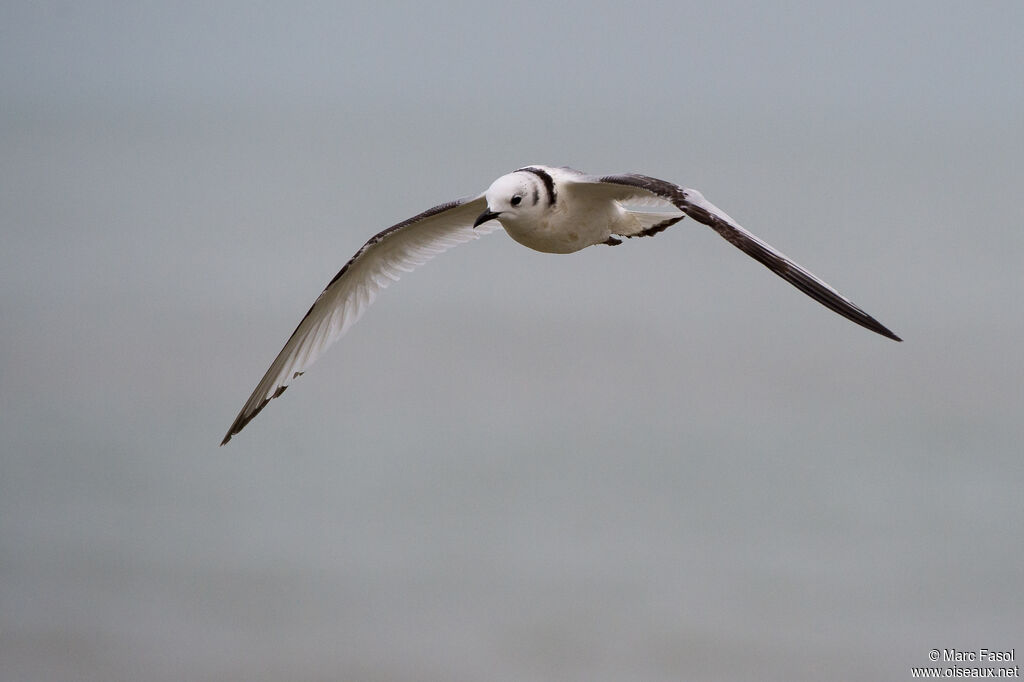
x: 563, y: 232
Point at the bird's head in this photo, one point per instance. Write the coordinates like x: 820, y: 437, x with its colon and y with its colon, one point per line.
x: 514, y: 197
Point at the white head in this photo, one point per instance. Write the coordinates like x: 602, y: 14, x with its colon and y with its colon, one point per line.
x: 523, y: 194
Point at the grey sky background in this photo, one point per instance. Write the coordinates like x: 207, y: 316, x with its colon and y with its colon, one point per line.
x: 652, y: 462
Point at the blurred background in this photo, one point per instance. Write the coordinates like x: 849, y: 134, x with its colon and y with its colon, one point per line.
x: 652, y: 462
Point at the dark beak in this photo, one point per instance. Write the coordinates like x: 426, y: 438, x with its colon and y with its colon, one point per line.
x: 485, y: 216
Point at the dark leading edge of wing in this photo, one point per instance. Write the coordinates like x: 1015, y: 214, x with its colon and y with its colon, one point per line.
x: 791, y: 272
x: 754, y: 247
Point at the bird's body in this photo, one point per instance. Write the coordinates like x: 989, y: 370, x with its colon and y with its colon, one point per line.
x: 560, y: 211
x: 548, y: 209
x: 558, y: 221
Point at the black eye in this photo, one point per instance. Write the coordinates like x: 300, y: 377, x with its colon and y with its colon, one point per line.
x: 516, y: 199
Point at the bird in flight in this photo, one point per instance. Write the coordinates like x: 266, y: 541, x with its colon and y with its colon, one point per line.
x: 554, y: 210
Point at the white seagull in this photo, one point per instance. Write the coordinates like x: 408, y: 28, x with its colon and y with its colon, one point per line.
x: 554, y: 210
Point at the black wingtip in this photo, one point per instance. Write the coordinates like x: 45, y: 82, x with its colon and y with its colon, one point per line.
x: 868, y: 322
x: 235, y: 428
x: 245, y: 416
x: 854, y: 314
x: 231, y: 432
x: 881, y: 331
x: 890, y: 335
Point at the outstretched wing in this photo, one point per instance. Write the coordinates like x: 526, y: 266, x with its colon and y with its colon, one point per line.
x: 631, y: 187
x: 381, y: 261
